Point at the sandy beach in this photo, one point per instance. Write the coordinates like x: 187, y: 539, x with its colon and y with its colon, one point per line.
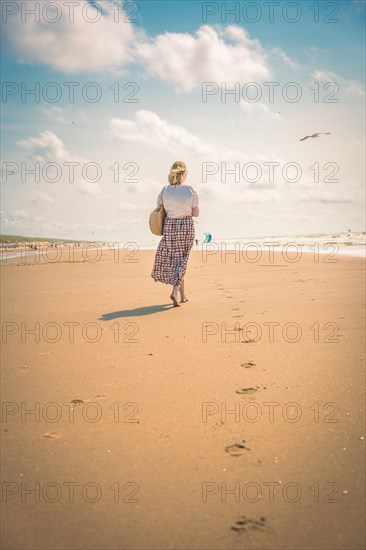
x: 234, y: 421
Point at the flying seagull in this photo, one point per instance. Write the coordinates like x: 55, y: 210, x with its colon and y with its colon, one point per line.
x: 314, y: 135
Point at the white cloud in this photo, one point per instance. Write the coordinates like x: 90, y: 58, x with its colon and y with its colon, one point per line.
x: 90, y: 188
x: 149, y: 129
x: 130, y: 207
x: 64, y: 116
x: 221, y: 54
x: 218, y: 54
x: 357, y: 143
x: 39, y: 196
x: 71, y: 45
x: 92, y: 227
x: 325, y: 197
x: 19, y: 214
x: 7, y: 222
x: 286, y: 59
x: 48, y: 147
x: 55, y: 113
x: 237, y: 193
x: 258, y: 110
x: 352, y: 87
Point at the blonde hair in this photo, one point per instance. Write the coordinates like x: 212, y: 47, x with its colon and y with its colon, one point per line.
x: 176, y: 172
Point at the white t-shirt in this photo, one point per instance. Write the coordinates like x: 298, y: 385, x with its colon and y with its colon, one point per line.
x: 178, y: 200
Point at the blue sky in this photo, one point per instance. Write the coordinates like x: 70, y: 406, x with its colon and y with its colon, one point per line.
x: 167, y: 56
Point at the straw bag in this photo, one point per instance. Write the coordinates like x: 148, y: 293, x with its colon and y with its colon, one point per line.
x: 157, y: 218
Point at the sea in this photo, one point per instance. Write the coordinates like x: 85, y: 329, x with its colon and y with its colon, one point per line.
x: 350, y: 243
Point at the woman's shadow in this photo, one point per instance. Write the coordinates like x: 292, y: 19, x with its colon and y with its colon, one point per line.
x: 136, y: 312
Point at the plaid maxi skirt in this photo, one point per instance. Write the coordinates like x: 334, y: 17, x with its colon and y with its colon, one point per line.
x: 172, y: 254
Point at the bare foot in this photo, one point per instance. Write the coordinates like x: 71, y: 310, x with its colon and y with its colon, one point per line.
x: 174, y: 298
x: 183, y: 299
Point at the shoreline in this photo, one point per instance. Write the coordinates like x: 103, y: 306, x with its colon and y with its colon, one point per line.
x: 213, y: 248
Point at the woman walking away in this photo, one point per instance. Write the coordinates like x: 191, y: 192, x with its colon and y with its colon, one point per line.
x: 181, y: 203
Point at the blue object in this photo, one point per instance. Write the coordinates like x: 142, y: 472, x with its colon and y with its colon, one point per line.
x: 208, y: 237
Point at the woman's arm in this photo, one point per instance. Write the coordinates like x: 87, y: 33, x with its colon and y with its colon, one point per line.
x: 195, y: 204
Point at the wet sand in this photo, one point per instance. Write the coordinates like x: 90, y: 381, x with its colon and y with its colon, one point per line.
x: 234, y: 421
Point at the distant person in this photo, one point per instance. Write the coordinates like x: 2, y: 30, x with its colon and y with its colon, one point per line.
x: 181, y: 203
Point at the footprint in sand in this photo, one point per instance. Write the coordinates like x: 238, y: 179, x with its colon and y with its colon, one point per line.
x: 77, y: 401
x: 237, y: 449
x: 52, y: 435
x: 251, y: 341
x: 80, y: 401
x: 248, y: 365
x: 244, y: 524
x: 24, y: 368
x: 249, y: 391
